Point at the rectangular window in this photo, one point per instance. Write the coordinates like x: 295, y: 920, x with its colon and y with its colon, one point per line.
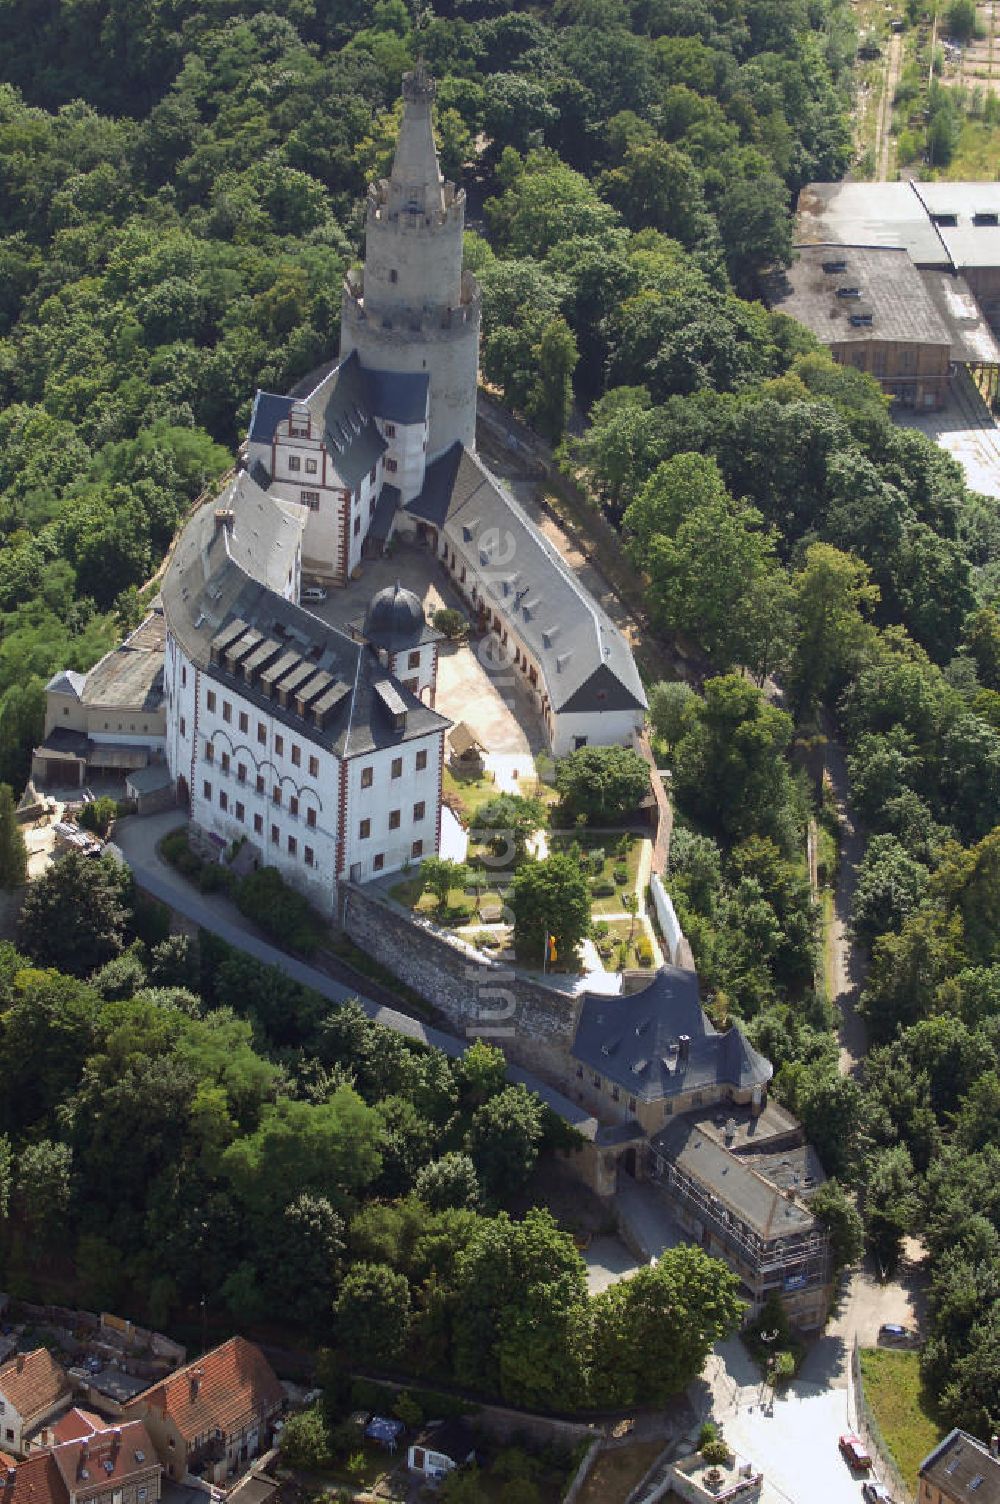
x: 241, y: 813
x: 310, y: 467
x: 294, y: 463
x: 293, y: 805
x: 417, y: 849
x: 364, y: 830
x: 183, y: 726
x: 310, y: 499
x: 414, y: 659
x: 421, y: 761
x: 258, y: 825
x: 309, y: 856
x: 244, y: 722
x: 262, y: 733
x: 311, y: 818
x: 223, y: 799
x: 206, y: 789
x: 597, y: 1081
x: 275, y: 834
x: 615, y: 1094
x: 390, y: 430
x: 241, y: 772
x: 276, y: 794
x: 314, y: 767
x: 227, y: 711
x: 419, y: 810
x: 357, y: 526
x: 378, y: 862
x: 631, y: 1104
x: 184, y: 675
x: 393, y: 274
x: 367, y: 774
x: 279, y: 746
x: 394, y: 819
x: 293, y: 846
x: 296, y: 755
x: 391, y: 466
x: 397, y: 767
x: 209, y: 752
x: 210, y: 699
x: 371, y: 474
x: 225, y: 762
x: 260, y: 783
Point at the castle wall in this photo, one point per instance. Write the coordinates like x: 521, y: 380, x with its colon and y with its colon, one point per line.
x: 482, y: 999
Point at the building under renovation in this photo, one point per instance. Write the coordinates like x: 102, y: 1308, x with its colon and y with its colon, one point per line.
x: 901, y: 280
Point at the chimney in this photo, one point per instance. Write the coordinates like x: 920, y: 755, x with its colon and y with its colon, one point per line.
x: 223, y: 519
x: 196, y: 1379
x: 20, y: 1362
x: 683, y: 1048
x: 995, y: 1446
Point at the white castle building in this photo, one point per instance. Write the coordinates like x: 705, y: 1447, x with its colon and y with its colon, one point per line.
x: 320, y: 746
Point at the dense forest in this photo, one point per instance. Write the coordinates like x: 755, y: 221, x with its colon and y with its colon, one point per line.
x: 180, y: 193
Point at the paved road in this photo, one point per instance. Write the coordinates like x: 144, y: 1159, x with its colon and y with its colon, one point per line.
x: 847, y: 964
x: 138, y: 837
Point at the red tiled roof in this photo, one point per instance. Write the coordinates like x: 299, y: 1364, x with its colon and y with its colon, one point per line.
x: 224, y: 1390
x: 34, y: 1383
x: 106, y: 1458
x: 76, y: 1423
x: 35, y: 1481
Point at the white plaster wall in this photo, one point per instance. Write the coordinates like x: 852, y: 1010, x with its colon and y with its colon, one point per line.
x: 449, y: 356
x: 179, y: 678
x: 407, y: 446
x: 386, y: 794
x: 606, y: 728
x: 667, y: 917
x: 424, y: 671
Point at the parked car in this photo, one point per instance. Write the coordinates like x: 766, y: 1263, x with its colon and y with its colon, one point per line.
x: 891, y: 1331
x: 854, y: 1452
x: 315, y: 594
x: 874, y: 1493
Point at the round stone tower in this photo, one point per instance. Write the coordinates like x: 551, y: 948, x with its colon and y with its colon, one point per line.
x: 414, y: 309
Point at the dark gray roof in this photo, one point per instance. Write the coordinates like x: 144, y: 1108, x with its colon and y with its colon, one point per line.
x: 340, y: 406
x: 395, y: 620
x: 212, y: 595
x: 155, y: 775
x: 956, y: 1463
x: 385, y: 510
x: 398, y: 396
x: 66, y: 682
x: 755, y: 1200
x: 587, y: 663
x: 63, y: 742
x: 634, y: 1041
x: 893, y: 297
x: 268, y: 411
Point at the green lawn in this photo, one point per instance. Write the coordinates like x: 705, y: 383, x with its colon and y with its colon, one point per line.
x: 593, y: 841
x: 902, y: 1407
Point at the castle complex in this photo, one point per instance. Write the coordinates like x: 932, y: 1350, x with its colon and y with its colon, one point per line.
x: 320, y: 745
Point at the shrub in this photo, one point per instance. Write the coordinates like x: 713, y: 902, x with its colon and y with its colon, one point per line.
x: 595, y: 860
x: 212, y: 878
x: 99, y: 815
x: 285, y: 915
x: 602, y: 887
x: 644, y: 951
x: 716, y: 1451
x: 709, y: 1432
x: 620, y: 875
x: 174, y: 845
x: 451, y: 622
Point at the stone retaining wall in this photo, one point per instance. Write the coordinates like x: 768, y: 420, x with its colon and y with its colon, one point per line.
x: 480, y: 997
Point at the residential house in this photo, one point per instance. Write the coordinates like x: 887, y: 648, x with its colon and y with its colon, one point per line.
x: 113, y: 1465
x: 214, y: 1415
x: 439, y: 1451
x: 961, y: 1470
x: 33, y: 1389
x: 71, y: 1426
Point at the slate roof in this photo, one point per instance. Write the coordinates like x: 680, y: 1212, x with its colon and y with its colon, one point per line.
x: 587, y: 664
x: 130, y: 676
x: 33, y: 1384
x: 634, y: 1041
x: 385, y: 510
x: 758, y: 1202
x: 398, y: 396
x: 956, y: 1463
x: 235, y: 1385
x: 66, y: 682
x: 267, y: 412
x: 211, y: 584
x: 340, y: 406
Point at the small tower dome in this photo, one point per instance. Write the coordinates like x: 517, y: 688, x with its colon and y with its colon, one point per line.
x: 394, y: 619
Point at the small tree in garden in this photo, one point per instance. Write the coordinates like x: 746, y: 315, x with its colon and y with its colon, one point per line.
x: 439, y: 876
x: 550, y: 900
x: 601, y: 783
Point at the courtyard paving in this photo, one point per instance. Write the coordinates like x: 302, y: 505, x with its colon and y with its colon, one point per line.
x: 471, y: 686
